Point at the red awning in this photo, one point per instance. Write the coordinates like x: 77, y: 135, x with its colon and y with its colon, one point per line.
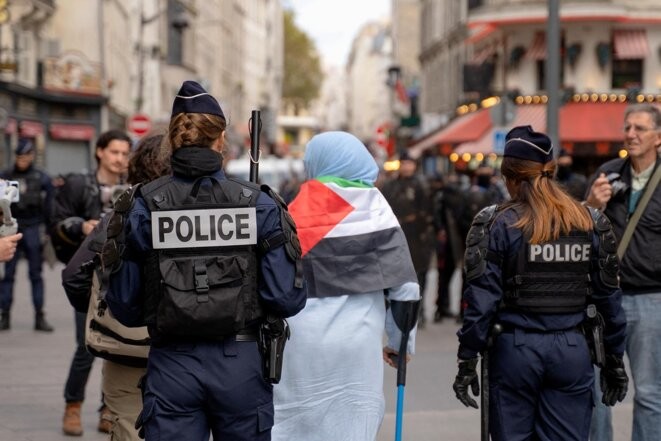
x: 591, y: 122
x: 464, y: 128
x: 532, y: 114
x: 537, y: 50
x: 630, y: 44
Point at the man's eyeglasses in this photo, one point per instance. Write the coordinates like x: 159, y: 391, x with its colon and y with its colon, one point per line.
x: 638, y: 130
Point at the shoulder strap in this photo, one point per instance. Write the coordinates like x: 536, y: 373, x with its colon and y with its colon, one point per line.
x: 638, y: 212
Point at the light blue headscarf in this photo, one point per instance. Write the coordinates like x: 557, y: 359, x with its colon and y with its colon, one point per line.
x: 341, y: 155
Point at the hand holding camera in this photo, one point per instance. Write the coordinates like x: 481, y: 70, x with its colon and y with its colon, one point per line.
x: 604, y: 188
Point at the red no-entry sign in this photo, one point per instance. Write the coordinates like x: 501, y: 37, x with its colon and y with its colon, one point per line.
x: 139, y: 124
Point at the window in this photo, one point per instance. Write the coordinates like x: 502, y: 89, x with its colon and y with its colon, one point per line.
x: 175, y: 35
x: 627, y: 74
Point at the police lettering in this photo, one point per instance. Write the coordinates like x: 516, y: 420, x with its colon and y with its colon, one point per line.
x: 559, y: 252
x: 204, y: 228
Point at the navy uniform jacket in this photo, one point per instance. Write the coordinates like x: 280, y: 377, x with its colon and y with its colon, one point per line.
x: 484, y: 293
x: 277, y: 271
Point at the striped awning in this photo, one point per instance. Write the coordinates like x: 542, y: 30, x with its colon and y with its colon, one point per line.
x: 482, y: 55
x: 537, y: 50
x: 630, y: 44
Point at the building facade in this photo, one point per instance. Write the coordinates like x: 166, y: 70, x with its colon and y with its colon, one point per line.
x: 71, y: 69
x: 495, y: 52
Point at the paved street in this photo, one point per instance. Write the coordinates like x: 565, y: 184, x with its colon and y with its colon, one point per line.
x: 34, y: 367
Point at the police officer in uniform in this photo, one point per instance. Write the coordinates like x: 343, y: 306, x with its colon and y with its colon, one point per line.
x: 534, y: 266
x: 203, y: 260
x: 31, y: 213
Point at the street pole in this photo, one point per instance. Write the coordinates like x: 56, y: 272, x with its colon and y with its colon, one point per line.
x: 552, y: 74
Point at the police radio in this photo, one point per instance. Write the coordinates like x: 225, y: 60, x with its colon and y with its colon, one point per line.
x: 8, y: 195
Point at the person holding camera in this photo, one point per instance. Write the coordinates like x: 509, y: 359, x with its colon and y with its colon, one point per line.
x: 627, y: 191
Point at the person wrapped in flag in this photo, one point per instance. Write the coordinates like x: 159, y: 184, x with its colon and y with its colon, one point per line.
x: 355, y: 255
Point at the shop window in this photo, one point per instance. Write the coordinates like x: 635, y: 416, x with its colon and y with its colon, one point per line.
x: 627, y: 74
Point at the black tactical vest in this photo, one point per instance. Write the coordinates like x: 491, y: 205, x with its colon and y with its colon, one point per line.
x: 552, y: 277
x: 201, y: 278
x: 31, y: 201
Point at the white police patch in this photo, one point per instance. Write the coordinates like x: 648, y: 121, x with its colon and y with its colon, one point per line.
x: 559, y: 252
x: 204, y: 228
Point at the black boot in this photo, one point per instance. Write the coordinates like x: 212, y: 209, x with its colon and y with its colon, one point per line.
x: 40, y: 323
x: 4, y: 321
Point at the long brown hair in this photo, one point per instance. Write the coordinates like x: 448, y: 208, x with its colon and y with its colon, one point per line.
x: 198, y: 129
x: 547, y: 211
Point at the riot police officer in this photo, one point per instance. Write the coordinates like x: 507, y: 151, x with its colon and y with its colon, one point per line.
x: 204, y: 260
x: 31, y: 212
x: 534, y: 266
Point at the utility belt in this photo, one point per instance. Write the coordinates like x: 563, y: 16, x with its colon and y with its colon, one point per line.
x: 511, y: 329
x: 245, y: 335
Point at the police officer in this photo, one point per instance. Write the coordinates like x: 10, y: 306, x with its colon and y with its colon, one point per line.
x: 31, y: 213
x: 204, y: 259
x: 532, y: 265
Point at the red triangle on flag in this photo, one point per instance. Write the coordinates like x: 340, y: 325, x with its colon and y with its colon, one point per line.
x: 316, y: 210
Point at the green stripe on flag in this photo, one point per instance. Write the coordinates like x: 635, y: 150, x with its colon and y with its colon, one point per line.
x: 342, y: 182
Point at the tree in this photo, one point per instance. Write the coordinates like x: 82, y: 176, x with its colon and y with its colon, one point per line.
x: 302, y: 73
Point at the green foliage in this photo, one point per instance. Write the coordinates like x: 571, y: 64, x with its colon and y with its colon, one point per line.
x: 303, y: 75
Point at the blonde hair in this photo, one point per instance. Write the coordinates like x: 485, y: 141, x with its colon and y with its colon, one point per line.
x: 547, y: 210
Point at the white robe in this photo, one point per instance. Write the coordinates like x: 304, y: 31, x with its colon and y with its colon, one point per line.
x: 332, y: 381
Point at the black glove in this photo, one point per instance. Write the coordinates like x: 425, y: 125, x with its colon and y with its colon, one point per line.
x: 467, y: 376
x: 613, y: 380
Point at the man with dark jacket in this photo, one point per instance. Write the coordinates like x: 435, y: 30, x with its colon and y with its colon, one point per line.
x: 31, y: 213
x: 78, y: 207
x: 617, y: 188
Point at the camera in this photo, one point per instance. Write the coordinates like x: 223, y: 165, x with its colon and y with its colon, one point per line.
x: 618, y: 186
x: 9, y: 190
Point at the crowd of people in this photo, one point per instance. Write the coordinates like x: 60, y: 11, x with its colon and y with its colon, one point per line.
x: 557, y: 286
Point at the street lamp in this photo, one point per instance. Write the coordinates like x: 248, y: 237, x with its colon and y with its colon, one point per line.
x: 179, y: 22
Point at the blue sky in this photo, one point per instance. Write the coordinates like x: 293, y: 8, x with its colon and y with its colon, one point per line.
x: 333, y: 24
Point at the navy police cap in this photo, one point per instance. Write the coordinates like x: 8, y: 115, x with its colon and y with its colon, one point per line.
x: 524, y: 143
x: 24, y: 147
x: 192, y: 98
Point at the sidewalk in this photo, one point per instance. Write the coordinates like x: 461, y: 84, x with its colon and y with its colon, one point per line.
x: 34, y: 367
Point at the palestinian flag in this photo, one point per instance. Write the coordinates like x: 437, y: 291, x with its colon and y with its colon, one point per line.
x: 352, y: 242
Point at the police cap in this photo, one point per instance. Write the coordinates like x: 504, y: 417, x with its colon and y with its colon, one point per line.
x: 192, y: 98
x: 25, y: 147
x: 524, y: 143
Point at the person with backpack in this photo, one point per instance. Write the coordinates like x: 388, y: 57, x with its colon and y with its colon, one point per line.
x: 78, y: 206
x: 123, y: 368
x: 210, y: 265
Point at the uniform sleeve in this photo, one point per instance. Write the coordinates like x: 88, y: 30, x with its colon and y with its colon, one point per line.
x: 483, y: 293
x: 608, y: 300
x: 406, y: 292
x: 126, y: 292
x: 276, y: 284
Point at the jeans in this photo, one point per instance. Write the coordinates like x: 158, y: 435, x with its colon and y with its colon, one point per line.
x: 643, y: 313
x: 31, y: 246
x: 81, y: 365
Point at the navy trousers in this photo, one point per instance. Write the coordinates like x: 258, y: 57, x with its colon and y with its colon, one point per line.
x: 31, y: 247
x: 191, y: 390
x: 541, y: 387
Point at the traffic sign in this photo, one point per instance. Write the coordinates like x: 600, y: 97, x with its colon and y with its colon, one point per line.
x: 139, y: 124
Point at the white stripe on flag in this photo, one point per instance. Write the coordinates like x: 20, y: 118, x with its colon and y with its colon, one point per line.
x: 377, y: 214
